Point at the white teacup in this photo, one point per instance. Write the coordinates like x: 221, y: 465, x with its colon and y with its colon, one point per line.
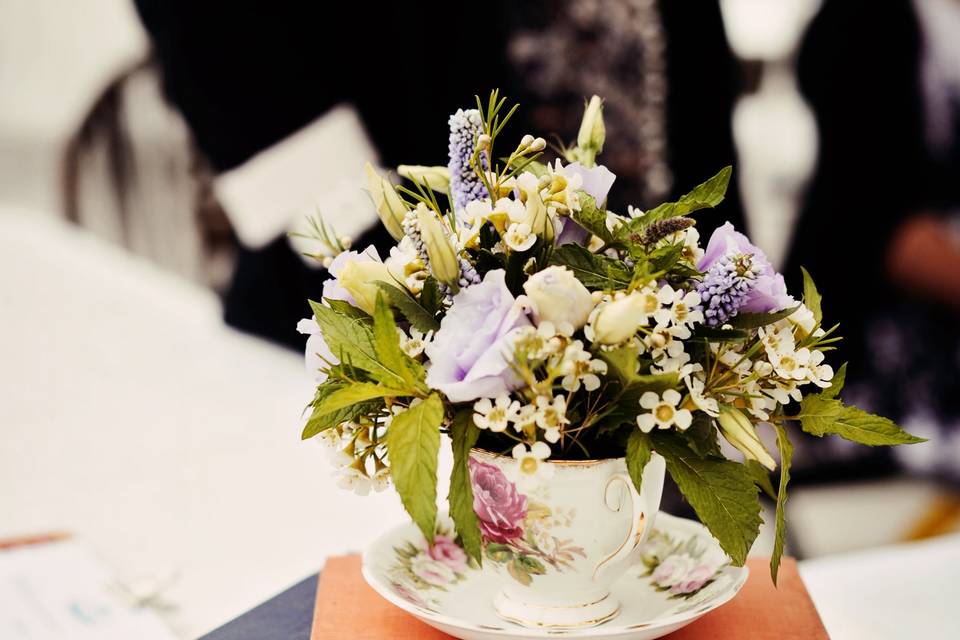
x: 560, y: 536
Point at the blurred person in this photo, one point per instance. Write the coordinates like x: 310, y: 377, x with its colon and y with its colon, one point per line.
x: 286, y: 100
x: 880, y: 230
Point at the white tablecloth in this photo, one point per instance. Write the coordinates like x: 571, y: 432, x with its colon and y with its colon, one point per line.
x: 133, y: 418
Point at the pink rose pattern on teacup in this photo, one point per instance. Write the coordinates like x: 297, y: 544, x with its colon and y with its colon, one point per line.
x: 681, y: 568
x: 516, y: 532
x: 498, y: 505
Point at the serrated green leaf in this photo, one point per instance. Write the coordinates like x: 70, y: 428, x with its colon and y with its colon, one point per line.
x: 409, y: 307
x: 430, y: 295
x: 591, y: 217
x: 836, y: 385
x: 464, y: 433
x: 706, y: 195
x: 639, y: 450
x: 413, y: 441
x: 701, y: 435
x: 344, y: 308
x: 820, y: 416
x: 352, y: 341
x: 322, y: 420
x: 721, y: 492
x: 354, y: 393
x: 594, y: 271
x: 387, y: 344
x: 811, y: 297
x: 780, y: 535
x: 761, y: 477
x: 755, y: 320
x: 622, y: 362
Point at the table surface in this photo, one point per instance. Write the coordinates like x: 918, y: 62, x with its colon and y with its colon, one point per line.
x: 133, y: 418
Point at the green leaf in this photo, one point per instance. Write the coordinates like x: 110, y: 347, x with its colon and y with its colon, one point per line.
x: 322, y: 420
x: 519, y: 573
x: 820, y: 416
x: 754, y: 320
x: 811, y: 297
x: 836, y: 385
x: 591, y: 217
x: 638, y: 455
x: 387, y: 344
x: 706, y: 195
x: 464, y: 433
x: 622, y: 362
x: 761, y: 477
x: 626, y: 406
x: 409, y: 307
x: 499, y: 553
x: 344, y: 308
x: 720, y: 335
x: 413, y: 441
x: 721, y: 492
x: 594, y: 271
x: 531, y: 565
x: 701, y: 435
x: 786, y: 455
x: 354, y: 393
x: 352, y: 341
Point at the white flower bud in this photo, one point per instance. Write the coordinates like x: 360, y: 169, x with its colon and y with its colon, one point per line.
x: 538, y: 145
x: 389, y: 206
x: 617, y: 321
x: 443, y: 258
x: 526, y: 141
x: 741, y: 433
x: 437, y: 178
x: 592, y: 130
x: 558, y: 297
x: 483, y: 141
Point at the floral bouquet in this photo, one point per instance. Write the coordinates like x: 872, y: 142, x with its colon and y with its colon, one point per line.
x: 519, y: 315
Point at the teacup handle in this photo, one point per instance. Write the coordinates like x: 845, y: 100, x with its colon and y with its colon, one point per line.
x: 639, y: 512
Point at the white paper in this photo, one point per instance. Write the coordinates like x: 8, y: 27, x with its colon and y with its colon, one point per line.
x: 61, y: 590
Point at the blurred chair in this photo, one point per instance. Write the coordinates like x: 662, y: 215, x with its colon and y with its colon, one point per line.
x: 133, y: 175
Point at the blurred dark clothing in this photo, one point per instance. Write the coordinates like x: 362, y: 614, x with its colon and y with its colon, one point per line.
x: 860, y: 68
x: 247, y: 74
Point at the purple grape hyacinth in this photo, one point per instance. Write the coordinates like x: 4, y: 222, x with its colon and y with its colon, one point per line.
x: 726, y: 286
x: 465, y: 185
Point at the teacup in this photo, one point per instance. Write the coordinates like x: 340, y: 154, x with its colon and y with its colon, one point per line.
x: 560, y: 533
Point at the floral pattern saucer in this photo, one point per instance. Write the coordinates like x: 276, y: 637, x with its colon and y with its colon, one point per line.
x: 682, y: 574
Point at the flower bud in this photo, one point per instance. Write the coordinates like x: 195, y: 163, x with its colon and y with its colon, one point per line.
x: 360, y: 279
x: 437, y: 178
x: 389, y: 206
x: 592, y: 130
x: 526, y: 141
x: 538, y: 145
x: 443, y: 259
x: 483, y: 141
x: 742, y: 434
x: 617, y: 321
x: 558, y: 297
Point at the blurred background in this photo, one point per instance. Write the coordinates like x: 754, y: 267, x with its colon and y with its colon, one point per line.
x: 155, y: 154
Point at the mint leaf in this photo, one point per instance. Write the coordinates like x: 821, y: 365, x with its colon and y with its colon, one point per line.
x: 811, y: 297
x: 820, y: 416
x: 413, y: 441
x: 352, y: 341
x: 786, y: 455
x: 354, y: 393
x: 464, y: 433
x: 761, y: 477
x: 344, y: 308
x: 594, y: 271
x: 409, y: 307
x: 721, y: 492
x: 754, y: 320
x: 706, y: 195
x: 591, y: 217
x: 638, y: 455
x: 387, y: 345
x: 836, y: 385
x: 321, y: 420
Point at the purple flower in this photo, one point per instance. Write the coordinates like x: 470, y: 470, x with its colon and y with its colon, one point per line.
x: 597, y: 182
x: 470, y: 353
x: 769, y: 291
x: 498, y: 506
x: 332, y: 288
x: 465, y: 184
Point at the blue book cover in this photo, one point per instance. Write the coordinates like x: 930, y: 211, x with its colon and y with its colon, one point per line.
x: 287, y: 616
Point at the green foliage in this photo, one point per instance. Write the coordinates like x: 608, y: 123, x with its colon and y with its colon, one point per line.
x: 701, y: 435
x: 387, y: 345
x: 722, y: 493
x: 836, y: 385
x: 406, y: 304
x: 706, y: 195
x: 755, y: 320
x: 820, y: 416
x: 786, y: 457
x: 591, y: 217
x: 413, y: 441
x: 430, y: 296
x: 523, y: 567
x: 351, y: 394
x: 464, y: 433
x: 639, y: 450
x: 594, y: 271
x: 761, y: 477
x: 720, y: 335
x: 344, y: 308
x: 811, y: 297
x: 321, y: 419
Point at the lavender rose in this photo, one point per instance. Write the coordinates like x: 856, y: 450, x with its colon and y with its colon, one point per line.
x: 470, y: 352
x: 769, y: 291
x: 498, y: 506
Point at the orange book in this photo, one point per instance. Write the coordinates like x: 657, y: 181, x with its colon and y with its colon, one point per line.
x: 347, y: 608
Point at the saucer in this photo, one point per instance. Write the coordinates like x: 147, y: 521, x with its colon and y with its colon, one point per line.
x: 681, y: 574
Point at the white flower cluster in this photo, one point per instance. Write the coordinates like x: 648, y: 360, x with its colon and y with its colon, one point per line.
x: 359, y: 463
